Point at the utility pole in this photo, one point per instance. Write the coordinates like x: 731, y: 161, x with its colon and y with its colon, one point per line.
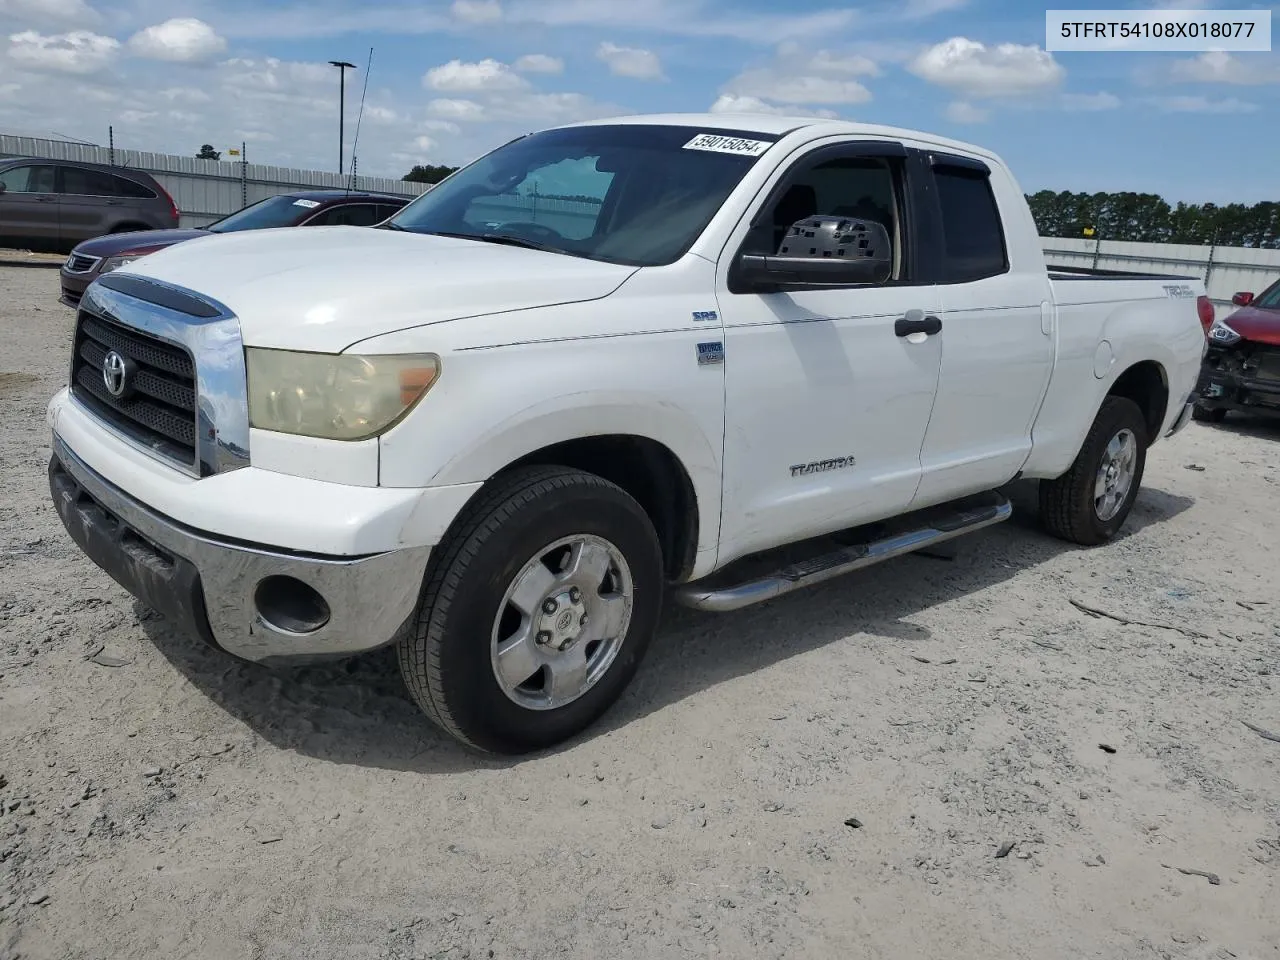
x: 343, y: 67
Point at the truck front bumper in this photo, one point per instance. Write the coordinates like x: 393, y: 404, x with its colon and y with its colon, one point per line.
x: 255, y: 602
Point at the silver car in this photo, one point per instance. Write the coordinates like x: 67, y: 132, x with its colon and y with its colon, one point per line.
x: 55, y: 204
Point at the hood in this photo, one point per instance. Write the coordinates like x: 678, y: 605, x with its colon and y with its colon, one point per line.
x: 1256, y: 323
x: 324, y: 288
x: 135, y: 241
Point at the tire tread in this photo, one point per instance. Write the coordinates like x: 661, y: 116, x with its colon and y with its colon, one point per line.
x: 481, y: 519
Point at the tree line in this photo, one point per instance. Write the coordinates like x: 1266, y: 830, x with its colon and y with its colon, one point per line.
x: 1147, y: 218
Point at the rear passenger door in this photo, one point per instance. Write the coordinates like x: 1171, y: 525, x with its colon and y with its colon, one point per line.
x: 29, y: 204
x: 89, y: 203
x: 997, y: 334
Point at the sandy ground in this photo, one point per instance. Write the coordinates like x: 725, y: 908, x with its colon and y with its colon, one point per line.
x: 829, y: 775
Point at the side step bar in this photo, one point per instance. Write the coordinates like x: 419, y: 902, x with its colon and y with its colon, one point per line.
x: 940, y: 526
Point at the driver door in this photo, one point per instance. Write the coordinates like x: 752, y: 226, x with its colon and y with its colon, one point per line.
x: 826, y: 400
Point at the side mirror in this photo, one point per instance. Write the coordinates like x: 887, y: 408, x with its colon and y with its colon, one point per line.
x: 1242, y: 299
x: 824, y: 251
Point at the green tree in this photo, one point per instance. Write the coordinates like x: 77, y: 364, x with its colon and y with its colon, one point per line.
x: 428, y: 173
x: 1147, y: 218
x: 208, y: 153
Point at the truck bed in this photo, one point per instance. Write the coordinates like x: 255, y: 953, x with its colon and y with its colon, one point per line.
x: 1096, y: 273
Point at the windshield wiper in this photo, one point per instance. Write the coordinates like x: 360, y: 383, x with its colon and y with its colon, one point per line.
x: 391, y: 226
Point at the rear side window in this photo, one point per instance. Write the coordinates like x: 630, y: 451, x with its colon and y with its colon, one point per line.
x: 973, y: 236
x: 131, y: 188
x: 388, y: 209
x: 349, y: 214
x: 88, y: 183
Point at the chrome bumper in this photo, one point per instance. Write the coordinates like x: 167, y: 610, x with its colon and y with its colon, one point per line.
x: 216, y: 588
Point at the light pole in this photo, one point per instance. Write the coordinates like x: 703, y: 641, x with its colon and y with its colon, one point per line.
x: 343, y: 67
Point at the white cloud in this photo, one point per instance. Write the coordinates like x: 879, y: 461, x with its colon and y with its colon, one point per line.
x: 731, y: 103
x: 439, y: 126
x: 77, y: 52
x: 961, y: 111
x: 488, y: 74
x: 802, y: 76
x: 539, y: 63
x: 630, y: 61
x: 455, y: 109
x: 184, y: 95
x: 798, y: 89
x: 50, y: 11
x: 1203, y: 105
x: 1090, y: 102
x: 424, y: 143
x: 380, y: 114
x: 180, y: 40
x: 1218, y: 66
x: 976, y: 70
x: 477, y: 11
x: 923, y: 9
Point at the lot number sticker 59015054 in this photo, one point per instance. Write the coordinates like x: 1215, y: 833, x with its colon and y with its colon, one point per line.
x: 721, y: 144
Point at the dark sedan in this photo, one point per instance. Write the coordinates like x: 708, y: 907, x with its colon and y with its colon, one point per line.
x: 310, y: 208
x: 1242, y: 366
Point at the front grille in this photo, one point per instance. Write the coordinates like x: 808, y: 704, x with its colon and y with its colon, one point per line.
x: 158, y: 407
x: 79, y: 263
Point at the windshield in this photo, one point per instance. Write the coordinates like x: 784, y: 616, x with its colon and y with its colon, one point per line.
x: 271, y: 212
x: 1269, y: 299
x: 626, y: 193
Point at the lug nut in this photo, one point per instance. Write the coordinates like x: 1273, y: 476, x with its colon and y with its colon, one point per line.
x: 550, y: 606
x: 574, y: 594
x: 543, y: 637
x: 583, y: 621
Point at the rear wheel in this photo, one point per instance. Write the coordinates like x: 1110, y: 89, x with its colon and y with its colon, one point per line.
x: 538, y: 612
x: 1090, y: 502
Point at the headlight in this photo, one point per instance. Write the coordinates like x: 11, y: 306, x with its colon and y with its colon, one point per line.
x: 334, y: 396
x: 115, y: 263
x: 1222, y: 334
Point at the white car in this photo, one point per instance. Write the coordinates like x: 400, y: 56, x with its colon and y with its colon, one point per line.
x: 602, y: 361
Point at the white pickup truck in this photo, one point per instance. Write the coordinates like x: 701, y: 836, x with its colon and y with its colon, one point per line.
x: 603, y: 361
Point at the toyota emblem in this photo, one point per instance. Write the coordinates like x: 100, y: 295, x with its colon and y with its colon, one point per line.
x: 114, y: 373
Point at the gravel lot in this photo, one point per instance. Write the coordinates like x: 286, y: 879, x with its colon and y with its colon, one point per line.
x: 829, y: 775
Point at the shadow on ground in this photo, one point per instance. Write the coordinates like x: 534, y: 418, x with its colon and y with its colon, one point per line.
x: 359, y: 712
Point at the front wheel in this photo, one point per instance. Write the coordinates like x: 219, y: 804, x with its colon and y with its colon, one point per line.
x: 538, y: 611
x: 1090, y: 502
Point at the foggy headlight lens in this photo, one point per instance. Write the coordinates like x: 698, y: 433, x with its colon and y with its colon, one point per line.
x: 334, y: 396
x: 115, y: 263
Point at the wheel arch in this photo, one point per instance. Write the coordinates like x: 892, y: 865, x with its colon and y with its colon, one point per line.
x: 1146, y: 383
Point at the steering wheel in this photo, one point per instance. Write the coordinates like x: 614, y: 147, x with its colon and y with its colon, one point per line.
x: 535, y: 231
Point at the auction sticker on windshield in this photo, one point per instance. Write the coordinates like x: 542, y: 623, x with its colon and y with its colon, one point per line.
x: 717, y: 143
x: 309, y: 204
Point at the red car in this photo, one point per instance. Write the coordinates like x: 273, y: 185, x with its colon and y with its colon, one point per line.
x: 1242, y: 366
x: 307, y: 208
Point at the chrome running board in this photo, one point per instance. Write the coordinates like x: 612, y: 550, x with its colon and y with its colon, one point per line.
x: 924, y: 530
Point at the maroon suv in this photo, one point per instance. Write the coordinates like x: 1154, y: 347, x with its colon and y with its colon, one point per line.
x: 310, y: 208
x: 1242, y: 366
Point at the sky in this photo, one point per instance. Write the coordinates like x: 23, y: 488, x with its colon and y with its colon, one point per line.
x: 452, y: 79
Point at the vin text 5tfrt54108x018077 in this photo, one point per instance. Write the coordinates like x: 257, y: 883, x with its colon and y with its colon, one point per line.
x: 498, y: 428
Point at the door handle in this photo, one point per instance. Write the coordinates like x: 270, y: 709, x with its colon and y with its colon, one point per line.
x: 905, y: 327
x: 45, y: 199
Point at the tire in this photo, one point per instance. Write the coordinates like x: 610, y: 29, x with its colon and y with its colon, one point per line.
x: 1208, y: 415
x: 1068, y: 507
x: 450, y: 662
